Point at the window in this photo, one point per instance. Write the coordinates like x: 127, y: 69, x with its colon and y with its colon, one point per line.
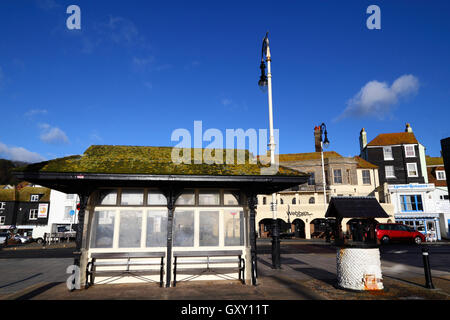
x: 389, y: 171
x: 156, y: 228
x: 387, y: 152
x: 410, y: 151
x: 211, y: 198
x: 312, y: 200
x: 103, y: 229
x: 412, y: 169
x: 337, y: 175
x: 70, y: 196
x: 34, y: 198
x: 33, y: 214
x: 440, y: 175
x: 187, y: 198
x: 294, y: 201
x: 67, y: 210
x: 183, y: 228
x: 209, y: 228
x: 130, y: 228
x: 156, y: 198
x: 444, y: 197
x: 264, y: 200
x: 233, y: 221
x: 2, y: 220
x: 366, y: 176
x: 108, y: 197
x: 312, y: 179
x: 230, y: 199
x: 411, y: 203
x: 2, y: 205
x: 281, y: 201
x: 131, y: 197
x: 122, y: 227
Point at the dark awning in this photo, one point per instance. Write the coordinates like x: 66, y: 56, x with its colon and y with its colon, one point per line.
x: 355, y: 207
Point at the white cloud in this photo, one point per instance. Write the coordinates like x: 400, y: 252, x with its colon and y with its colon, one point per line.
x: 143, y: 64
x: 52, y: 135
x: 121, y: 31
x: 19, y: 154
x: 226, y: 102
x: 47, y: 4
x: 378, y: 99
x: 94, y: 136
x: 33, y: 112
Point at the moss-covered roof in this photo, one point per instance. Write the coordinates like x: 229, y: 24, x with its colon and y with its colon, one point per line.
x: 24, y: 194
x: 153, y: 161
x: 387, y: 139
x: 361, y: 163
x: 308, y: 156
x: 434, y: 161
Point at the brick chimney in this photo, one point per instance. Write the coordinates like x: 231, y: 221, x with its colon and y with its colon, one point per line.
x: 317, y: 139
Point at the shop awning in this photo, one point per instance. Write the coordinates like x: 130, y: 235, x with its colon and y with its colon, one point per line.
x: 355, y: 207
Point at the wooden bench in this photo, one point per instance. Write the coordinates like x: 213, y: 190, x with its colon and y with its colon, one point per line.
x: 209, y: 258
x: 125, y: 263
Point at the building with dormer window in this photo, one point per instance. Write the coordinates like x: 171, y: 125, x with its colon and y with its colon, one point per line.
x: 403, y: 175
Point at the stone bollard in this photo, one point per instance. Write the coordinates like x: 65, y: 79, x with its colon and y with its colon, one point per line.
x: 359, y: 268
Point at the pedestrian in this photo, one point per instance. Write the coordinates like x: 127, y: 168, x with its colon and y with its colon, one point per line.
x: 359, y: 231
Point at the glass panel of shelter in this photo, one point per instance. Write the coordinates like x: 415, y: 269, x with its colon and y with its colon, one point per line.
x: 148, y: 228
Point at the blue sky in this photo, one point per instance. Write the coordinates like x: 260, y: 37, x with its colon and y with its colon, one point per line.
x: 138, y: 70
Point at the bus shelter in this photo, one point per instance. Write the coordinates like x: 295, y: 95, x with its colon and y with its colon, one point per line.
x: 136, y: 202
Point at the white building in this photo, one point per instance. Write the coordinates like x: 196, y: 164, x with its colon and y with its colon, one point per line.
x: 62, y: 215
x: 414, y: 205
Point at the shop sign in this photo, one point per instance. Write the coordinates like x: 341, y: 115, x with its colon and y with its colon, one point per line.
x: 299, y: 213
x: 411, y: 186
x: 43, y: 209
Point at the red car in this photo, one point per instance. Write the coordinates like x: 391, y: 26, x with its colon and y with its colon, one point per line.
x: 387, y: 232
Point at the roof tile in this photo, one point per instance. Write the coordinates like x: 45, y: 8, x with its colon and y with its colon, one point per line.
x: 386, y: 139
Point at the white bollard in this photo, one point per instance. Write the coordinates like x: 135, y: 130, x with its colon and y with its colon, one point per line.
x: 359, y: 269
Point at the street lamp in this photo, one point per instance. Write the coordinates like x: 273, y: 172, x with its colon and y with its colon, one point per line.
x: 266, y: 81
x: 324, y: 143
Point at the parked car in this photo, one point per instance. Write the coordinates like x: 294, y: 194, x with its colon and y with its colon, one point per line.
x: 3, y: 237
x: 21, y: 238
x: 390, y: 232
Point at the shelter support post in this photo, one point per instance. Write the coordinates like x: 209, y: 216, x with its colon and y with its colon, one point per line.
x: 171, y: 195
x: 252, y: 204
x: 80, y: 259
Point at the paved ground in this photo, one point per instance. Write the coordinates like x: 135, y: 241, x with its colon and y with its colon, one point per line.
x: 309, y: 273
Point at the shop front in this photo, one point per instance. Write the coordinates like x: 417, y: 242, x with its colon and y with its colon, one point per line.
x: 414, y: 206
x: 134, y: 201
x: 428, y: 224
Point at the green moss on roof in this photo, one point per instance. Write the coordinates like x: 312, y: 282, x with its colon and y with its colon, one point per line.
x: 153, y: 160
x: 434, y: 161
x: 7, y: 195
x: 361, y: 163
x: 24, y: 194
x: 308, y: 156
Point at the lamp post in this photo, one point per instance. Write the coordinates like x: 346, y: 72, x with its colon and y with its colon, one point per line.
x: 323, y: 143
x: 266, y: 81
